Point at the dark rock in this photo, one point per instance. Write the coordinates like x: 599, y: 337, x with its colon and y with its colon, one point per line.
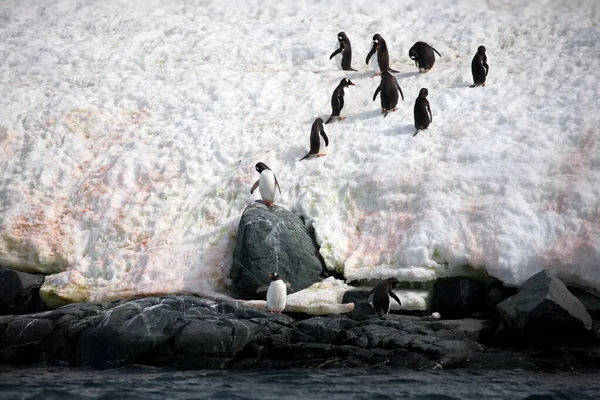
x: 457, y: 297
x: 589, y: 298
x: 545, y: 313
x: 495, y: 295
x: 19, y: 292
x: 363, y: 310
x: 273, y: 239
x: 355, y: 296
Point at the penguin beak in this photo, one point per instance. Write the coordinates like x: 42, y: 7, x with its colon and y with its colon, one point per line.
x: 352, y: 84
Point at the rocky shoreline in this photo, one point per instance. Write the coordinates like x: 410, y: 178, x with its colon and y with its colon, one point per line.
x: 189, y: 332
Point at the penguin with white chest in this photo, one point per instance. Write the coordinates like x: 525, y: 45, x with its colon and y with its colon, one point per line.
x: 383, y: 57
x: 343, y: 53
x: 337, y: 100
x: 267, y: 184
x: 389, y: 89
x: 380, y: 296
x: 276, y: 294
x: 316, y: 132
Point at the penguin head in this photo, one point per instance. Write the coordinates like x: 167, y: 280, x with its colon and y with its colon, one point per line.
x: 260, y: 167
x: 377, y: 39
x: 274, y: 276
x: 342, y: 36
x: 393, y: 281
x: 423, y: 93
x: 481, y: 49
x: 346, y: 82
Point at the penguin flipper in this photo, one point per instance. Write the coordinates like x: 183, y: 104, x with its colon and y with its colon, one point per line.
x: 254, y: 187
x: 377, y: 91
x: 373, y: 49
x: 325, y: 138
x: 393, y: 296
x: 438, y: 53
x: 336, y: 52
x: 277, y: 184
x: 400, y: 89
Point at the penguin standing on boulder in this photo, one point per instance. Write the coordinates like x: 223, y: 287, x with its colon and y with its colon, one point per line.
x: 389, y: 89
x: 343, y: 54
x: 422, y: 54
x: 266, y: 184
x: 276, y: 294
x: 315, y: 139
x: 423, y: 115
x: 383, y: 57
x: 337, y: 100
x: 380, y: 296
x: 479, y: 67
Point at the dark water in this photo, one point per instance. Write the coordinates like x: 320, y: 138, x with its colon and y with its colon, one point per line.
x: 43, y: 382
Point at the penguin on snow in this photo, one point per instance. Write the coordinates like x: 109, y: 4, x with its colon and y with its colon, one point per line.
x: 337, y: 100
x: 382, y: 63
x: 389, y: 89
x: 343, y: 53
x: 422, y: 54
x: 316, y: 132
x: 422, y: 111
x: 479, y: 67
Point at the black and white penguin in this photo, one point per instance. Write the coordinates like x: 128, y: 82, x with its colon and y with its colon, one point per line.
x: 380, y: 296
x: 266, y: 184
x: 276, y: 294
x: 422, y: 54
x: 382, y: 63
x: 389, y: 89
x: 343, y: 53
x: 315, y: 138
x: 337, y: 100
x: 423, y: 115
x: 479, y: 67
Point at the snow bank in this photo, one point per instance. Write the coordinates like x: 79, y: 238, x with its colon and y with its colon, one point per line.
x: 129, y: 131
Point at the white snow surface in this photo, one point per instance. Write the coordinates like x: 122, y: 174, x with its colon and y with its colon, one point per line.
x: 129, y: 131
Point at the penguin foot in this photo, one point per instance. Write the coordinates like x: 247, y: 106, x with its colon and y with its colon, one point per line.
x: 269, y: 203
x: 342, y: 118
x: 395, y: 109
x: 321, y: 155
x: 477, y: 85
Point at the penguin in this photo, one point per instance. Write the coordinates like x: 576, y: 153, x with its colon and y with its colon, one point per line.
x: 383, y: 57
x: 337, y: 99
x: 380, y: 296
x: 276, y: 294
x: 422, y: 54
x: 343, y: 53
x: 479, y: 67
x: 315, y: 140
x: 266, y: 184
x: 423, y: 115
x: 389, y: 88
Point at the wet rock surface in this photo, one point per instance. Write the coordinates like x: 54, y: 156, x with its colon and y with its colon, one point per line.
x: 19, y: 292
x: 185, y: 331
x: 273, y: 239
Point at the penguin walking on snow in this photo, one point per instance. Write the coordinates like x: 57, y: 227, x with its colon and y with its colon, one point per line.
x: 423, y: 115
x: 266, y: 184
x: 479, y: 67
x: 380, y: 296
x: 422, y: 54
x: 389, y: 89
x: 343, y: 53
x: 383, y: 57
x: 276, y: 294
x: 315, y: 139
x: 337, y: 100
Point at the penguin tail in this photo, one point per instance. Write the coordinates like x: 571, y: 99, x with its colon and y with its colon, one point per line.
x: 306, y: 156
x: 385, y: 113
x: 329, y: 120
x: 415, y: 134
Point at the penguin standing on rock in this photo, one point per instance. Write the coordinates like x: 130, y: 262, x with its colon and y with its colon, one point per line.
x: 422, y: 54
x: 383, y: 57
x: 343, y: 54
x: 389, y: 89
x: 276, y: 294
x: 315, y: 139
x: 380, y: 296
x: 479, y: 67
x: 266, y: 184
x: 337, y: 100
x: 423, y: 115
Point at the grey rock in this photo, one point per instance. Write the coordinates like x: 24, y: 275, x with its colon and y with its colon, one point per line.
x: 457, y: 297
x: 590, y: 299
x: 273, y: 239
x: 355, y: 296
x: 19, y: 292
x: 545, y: 313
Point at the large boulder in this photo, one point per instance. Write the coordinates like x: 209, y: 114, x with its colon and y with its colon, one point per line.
x: 20, y: 292
x: 457, y: 297
x: 545, y: 313
x: 273, y: 239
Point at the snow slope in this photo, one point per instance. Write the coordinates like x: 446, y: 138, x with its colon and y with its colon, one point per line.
x: 129, y: 131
